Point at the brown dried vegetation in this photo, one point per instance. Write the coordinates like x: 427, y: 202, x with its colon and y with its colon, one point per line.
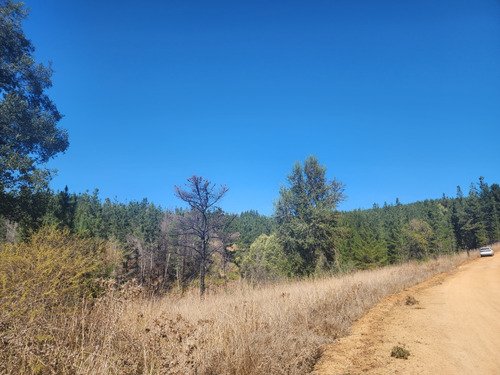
x: 276, y: 329
x: 410, y: 301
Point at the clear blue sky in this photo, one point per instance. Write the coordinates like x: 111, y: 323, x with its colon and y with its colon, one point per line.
x: 398, y: 99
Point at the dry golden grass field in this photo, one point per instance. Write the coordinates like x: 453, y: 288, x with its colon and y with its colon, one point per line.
x: 275, y: 329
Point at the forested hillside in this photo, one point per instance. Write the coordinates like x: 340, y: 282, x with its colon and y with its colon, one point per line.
x: 397, y: 232
x: 157, y: 252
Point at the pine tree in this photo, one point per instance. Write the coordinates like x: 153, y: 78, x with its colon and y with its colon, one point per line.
x: 368, y: 250
x: 307, y: 218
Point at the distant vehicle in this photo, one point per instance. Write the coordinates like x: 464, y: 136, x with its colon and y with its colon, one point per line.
x: 486, y: 252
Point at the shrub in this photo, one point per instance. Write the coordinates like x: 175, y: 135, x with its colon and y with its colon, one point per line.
x: 43, y: 282
x: 400, y: 352
x: 410, y: 301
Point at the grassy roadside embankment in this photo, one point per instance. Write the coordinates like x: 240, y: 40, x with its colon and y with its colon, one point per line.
x: 275, y: 329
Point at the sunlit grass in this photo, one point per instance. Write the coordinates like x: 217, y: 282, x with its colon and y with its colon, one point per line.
x: 276, y: 329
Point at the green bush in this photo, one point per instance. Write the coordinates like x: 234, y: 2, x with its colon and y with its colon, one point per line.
x: 400, y: 352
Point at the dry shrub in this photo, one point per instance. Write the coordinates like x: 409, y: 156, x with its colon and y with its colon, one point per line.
x: 43, y: 284
x: 410, y: 301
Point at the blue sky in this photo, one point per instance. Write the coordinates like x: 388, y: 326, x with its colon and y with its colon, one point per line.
x: 397, y: 99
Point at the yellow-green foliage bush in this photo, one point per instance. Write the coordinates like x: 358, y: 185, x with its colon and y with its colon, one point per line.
x: 43, y: 282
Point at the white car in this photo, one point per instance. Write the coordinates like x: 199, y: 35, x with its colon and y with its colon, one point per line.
x: 486, y: 252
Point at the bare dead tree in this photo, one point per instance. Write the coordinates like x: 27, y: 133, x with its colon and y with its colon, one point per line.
x: 205, y: 221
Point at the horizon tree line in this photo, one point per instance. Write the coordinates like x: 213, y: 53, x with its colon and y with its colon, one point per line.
x: 307, y: 235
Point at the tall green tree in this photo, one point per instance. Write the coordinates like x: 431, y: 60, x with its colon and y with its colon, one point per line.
x: 250, y: 225
x: 494, y: 222
x: 29, y: 136
x: 393, y: 228
x: 307, y: 217
x: 88, y: 215
x: 442, y: 241
x: 468, y: 220
x: 368, y: 250
x: 489, y: 212
x: 418, y: 238
x: 61, y: 209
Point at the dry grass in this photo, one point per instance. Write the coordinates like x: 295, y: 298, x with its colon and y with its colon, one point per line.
x: 270, y: 330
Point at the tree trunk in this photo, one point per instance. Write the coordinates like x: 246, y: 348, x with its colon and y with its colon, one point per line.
x: 202, y: 279
x: 165, y: 273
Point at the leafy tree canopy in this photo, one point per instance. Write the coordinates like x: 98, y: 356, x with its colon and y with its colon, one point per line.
x: 29, y: 136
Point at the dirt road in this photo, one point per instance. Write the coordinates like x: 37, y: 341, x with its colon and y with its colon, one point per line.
x: 453, y: 329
